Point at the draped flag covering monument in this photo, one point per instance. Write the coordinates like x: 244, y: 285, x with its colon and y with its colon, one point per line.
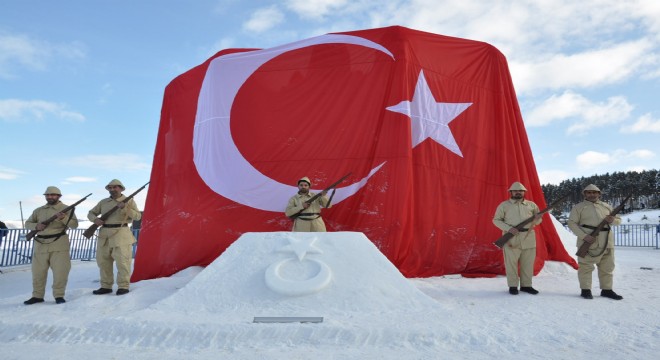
x: 428, y: 126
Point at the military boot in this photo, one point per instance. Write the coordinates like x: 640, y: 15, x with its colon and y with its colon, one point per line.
x: 586, y: 293
x: 102, y: 291
x: 513, y: 290
x: 610, y: 294
x: 33, y: 300
x: 529, y: 290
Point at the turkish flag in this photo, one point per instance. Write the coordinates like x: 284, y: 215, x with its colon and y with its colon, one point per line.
x: 427, y: 125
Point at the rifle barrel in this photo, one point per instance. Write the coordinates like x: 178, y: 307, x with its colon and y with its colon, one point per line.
x: 507, y: 236
x: 46, y: 222
x: 583, y: 250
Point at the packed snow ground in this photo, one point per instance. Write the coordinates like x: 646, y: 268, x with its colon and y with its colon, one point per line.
x: 369, y: 310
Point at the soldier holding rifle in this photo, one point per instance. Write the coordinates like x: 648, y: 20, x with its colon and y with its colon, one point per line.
x: 520, y: 251
x: 584, y: 218
x: 306, y: 216
x: 51, y: 246
x: 115, y: 239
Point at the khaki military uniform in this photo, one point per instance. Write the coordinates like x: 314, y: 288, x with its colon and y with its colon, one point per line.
x: 51, y: 249
x: 310, y: 220
x: 115, y: 241
x: 522, y: 247
x: 584, y: 217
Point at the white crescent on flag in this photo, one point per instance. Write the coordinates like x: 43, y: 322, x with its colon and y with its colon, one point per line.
x: 217, y: 159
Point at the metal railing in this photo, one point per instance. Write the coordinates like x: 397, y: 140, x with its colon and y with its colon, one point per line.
x: 14, y: 250
x: 637, y: 235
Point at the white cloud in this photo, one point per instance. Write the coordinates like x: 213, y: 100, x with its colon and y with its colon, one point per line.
x: 118, y: 162
x: 587, y: 69
x: 586, y: 114
x: 550, y: 44
x: 30, y: 110
x: 9, y: 173
x: 264, y: 19
x: 315, y: 9
x: 594, y: 159
x: 636, y: 154
x: 79, y: 179
x: 645, y: 124
x: 553, y: 176
x: 23, y: 51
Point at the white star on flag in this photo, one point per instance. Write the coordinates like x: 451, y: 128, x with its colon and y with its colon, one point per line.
x: 430, y: 119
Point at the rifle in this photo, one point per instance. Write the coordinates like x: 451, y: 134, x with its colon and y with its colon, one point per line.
x: 507, y: 236
x: 46, y: 222
x: 311, y: 200
x: 92, y: 229
x: 584, y: 248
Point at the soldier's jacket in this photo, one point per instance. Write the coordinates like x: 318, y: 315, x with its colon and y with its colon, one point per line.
x: 511, y: 213
x: 296, y: 204
x: 119, y: 235
x: 591, y: 214
x: 56, y: 227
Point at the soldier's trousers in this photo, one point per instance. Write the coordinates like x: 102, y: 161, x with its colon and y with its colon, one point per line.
x: 524, y: 257
x: 60, y: 262
x: 605, y: 264
x: 122, y: 256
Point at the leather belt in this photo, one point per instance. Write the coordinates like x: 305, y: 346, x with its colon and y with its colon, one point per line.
x: 51, y: 236
x: 114, y: 225
x: 595, y: 227
x: 318, y: 215
x: 523, y: 230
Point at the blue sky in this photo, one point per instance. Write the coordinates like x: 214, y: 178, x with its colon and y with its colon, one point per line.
x: 81, y: 82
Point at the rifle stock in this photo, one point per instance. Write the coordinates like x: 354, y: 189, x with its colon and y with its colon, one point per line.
x: 92, y: 229
x: 311, y: 200
x: 46, y: 222
x: 583, y: 250
x: 507, y: 236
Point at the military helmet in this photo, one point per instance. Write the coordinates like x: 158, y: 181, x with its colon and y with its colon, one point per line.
x: 305, y: 179
x: 113, y: 183
x: 52, y: 190
x: 591, y: 187
x: 517, y: 186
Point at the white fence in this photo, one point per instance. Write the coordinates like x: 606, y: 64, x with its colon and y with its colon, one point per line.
x: 14, y: 250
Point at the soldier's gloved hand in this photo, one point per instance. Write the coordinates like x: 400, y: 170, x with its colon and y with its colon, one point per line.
x: 590, y: 239
x: 514, y: 231
x: 40, y: 226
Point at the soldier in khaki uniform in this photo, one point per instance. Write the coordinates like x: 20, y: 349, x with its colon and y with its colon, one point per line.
x: 520, y: 251
x: 309, y: 220
x: 51, y: 247
x: 584, y: 218
x: 115, y: 239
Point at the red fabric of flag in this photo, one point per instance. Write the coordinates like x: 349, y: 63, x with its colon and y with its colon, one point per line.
x: 427, y: 125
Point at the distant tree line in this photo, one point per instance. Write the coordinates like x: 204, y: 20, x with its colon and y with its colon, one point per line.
x: 644, y: 186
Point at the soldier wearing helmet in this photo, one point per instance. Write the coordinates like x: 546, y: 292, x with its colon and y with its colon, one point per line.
x: 306, y: 216
x: 51, y: 247
x: 115, y: 239
x: 520, y: 250
x: 584, y: 218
